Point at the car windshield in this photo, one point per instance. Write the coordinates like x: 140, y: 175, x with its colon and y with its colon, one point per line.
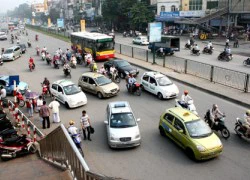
x: 198, y: 129
x: 144, y: 39
x: 105, y: 46
x: 71, y: 89
x: 102, y: 80
x: 122, y: 120
x: 8, y: 51
x: 122, y: 63
x: 164, y: 81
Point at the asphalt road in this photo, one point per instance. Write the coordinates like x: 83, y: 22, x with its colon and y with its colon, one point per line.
x: 157, y: 157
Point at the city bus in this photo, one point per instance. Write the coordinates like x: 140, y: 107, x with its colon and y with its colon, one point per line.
x: 101, y: 46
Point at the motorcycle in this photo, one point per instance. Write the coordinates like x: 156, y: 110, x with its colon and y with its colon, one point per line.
x: 188, y: 46
x: 31, y: 66
x: 77, y: 140
x: 43, y: 56
x: 114, y: 77
x: 48, y: 59
x: 79, y: 59
x: 246, y: 62
x: 56, y: 64
x: 1, y: 62
x: 219, y: 125
x: 7, y: 133
x: 67, y: 72
x: 135, y: 88
x: 72, y: 65
x: 16, y: 146
x: 208, y: 50
x: 20, y: 99
x: 38, y: 52
x: 29, y: 44
x: 125, y: 34
x: 225, y: 57
x: 190, y: 105
x: 240, y: 129
x: 45, y: 90
x: 160, y: 54
x: 195, y: 52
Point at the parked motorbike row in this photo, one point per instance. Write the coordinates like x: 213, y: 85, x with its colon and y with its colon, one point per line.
x: 11, y: 143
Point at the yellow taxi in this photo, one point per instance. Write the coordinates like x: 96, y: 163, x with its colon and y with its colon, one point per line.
x: 191, y: 133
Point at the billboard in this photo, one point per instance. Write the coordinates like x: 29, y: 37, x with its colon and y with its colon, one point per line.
x: 60, y: 23
x: 82, y: 25
x: 170, y: 14
x: 154, y: 31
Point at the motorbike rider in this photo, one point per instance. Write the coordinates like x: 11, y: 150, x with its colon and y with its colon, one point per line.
x: 29, y: 43
x: 36, y: 37
x: 18, y: 41
x: 195, y: 49
x: 72, y: 129
x: 73, y: 60
x: 47, y: 83
x: 94, y: 67
x: 37, y: 50
x: 185, y: 99
x: 68, y: 54
x: 215, y: 113
x: 112, y: 70
x: 66, y: 67
x: 44, y: 50
x: 247, y: 123
x: 131, y: 82
x: 209, y: 45
x: 31, y: 62
x: 88, y: 57
x: 161, y: 51
x: 102, y: 70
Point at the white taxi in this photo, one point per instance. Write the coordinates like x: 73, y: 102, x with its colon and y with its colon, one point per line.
x: 68, y: 93
x: 159, y: 84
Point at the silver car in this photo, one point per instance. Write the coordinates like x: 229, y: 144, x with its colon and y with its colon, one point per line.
x: 12, y: 53
x: 122, y: 127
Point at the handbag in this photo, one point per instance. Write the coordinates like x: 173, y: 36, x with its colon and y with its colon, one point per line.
x: 92, y: 130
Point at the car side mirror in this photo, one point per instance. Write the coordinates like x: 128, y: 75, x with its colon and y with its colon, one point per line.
x: 138, y: 120
x: 106, y: 122
x: 181, y: 131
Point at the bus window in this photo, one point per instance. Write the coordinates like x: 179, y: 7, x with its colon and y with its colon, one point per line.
x: 105, y: 46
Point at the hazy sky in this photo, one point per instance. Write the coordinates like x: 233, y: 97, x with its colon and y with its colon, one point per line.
x: 11, y: 4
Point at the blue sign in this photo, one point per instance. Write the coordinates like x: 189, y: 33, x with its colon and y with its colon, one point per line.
x: 12, y: 79
x: 170, y: 14
x: 60, y: 23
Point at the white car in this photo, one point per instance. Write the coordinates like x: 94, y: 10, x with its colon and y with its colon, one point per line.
x: 3, y: 36
x: 68, y: 93
x: 122, y: 128
x: 159, y: 84
x: 141, y: 40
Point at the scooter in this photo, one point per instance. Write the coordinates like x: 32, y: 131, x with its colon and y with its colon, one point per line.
x: 31, y: 66
x: 219, y: 125
x: 43, y: 56
x: 79, y: 59
x: 208, y: 50
x: 29, y: 44
x: 246, y: 62
x: 38, y: 52
x: 20, y: 99
x: 188, y: 46
x: 45, y: 90
x: 240, y: 129
x: 16, y: 146
x: 225, y: 57
x: 195, y: 52
x: 77, y: 140
x: 67, y: 72
x: 48, y: 59
x: 8, y: 133
x: 135, y: 88
x: 1, y: 62
x: 114, y: 77
x: 190, y: 105
x: 56, y: 64
x: 72, y: 65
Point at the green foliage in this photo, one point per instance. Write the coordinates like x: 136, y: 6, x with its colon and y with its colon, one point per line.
x: 22, y: 11
x: 54, y: 14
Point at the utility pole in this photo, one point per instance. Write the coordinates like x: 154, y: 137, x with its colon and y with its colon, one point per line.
x: 228, y: 16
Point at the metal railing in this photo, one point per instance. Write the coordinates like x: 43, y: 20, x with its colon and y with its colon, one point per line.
x: 59, y: 148
x: 215, y: 74
x: 26, y: 124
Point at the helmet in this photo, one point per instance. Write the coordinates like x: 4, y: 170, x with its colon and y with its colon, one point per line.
x: 248, y: 112
x: 186, y: 92
x: 71, y: 122
x: 215, y: 106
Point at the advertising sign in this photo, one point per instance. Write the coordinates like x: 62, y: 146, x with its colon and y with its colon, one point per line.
x: 170, y: 14
x: 192, y: 13
x: 154, y: 32
x: 82, y: 25
x: 60, y: 23
x: 49, y: 22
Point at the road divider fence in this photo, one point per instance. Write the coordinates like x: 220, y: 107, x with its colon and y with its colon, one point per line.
x: 215, y: 74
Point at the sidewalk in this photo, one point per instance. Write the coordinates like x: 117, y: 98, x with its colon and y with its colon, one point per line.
x: 230, y: 94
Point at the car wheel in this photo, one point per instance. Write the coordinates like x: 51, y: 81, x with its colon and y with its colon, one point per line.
x: 162, y: 131
x: 67, y: 105
x: 99, y: 95
x: 122, y: 75
x: 13, y: 58
x: 160, y: 96
x: 190, y: 153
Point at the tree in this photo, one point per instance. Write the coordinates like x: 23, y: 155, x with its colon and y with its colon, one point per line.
x: 54, y: 14
x: 140, y: 16
x: 22, y: 11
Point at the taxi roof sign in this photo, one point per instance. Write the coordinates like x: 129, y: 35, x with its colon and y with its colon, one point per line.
x: 186, y: 114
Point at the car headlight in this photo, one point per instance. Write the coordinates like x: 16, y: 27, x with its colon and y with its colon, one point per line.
x: 200, y: 148
x: 106, y: 91
x: 112, y: 137
x: 137, y: 136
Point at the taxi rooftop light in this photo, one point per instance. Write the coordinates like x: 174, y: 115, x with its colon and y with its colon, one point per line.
x: 186, y: 114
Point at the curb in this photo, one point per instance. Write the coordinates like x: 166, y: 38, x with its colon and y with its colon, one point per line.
x: 200, y: 88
